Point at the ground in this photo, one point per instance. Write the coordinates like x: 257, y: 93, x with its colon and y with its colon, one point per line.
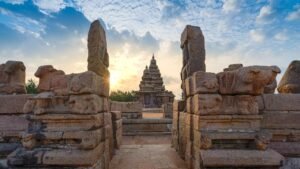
x: 147, y: 152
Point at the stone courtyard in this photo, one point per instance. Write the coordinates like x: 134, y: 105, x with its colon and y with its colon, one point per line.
x: 233, y: 119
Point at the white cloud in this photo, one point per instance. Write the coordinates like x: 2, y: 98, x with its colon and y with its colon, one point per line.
x: 15, y: 2
x: 265, y: 15
x: 21, y: 23
x: 295, y: 15
x: 230, y: 5
x: 281, y: 36
x: 257, y: 35
x: 48, y: 7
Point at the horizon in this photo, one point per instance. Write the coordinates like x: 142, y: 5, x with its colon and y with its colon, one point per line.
x: 41, y: 32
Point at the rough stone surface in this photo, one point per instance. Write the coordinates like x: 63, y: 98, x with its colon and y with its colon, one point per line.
x: 13, y: 104
x: 46, y: 73
x: 126, y: 106
x: 290, y: 82
x: 281, y: 120
x: 12, y: 78
x: 98, y: 59
x: 241, y: 158
x: 81, y: 83
x: 281, y: 102
x: 212, y: 104
x: 250, y: 80
x: 233, y: 67
x: 193, y: 46
x: 204, y: 82
x: 44, y: 103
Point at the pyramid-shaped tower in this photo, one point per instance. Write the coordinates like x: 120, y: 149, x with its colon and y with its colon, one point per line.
x: 152, y: 91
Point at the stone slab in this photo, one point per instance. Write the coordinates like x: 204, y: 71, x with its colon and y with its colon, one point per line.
x: 282, y: 102
x: 13, y: 104
x: 126, y: 106
x: 290, y: 149
x: 215, y: 104
x: 281, y: 120
x: 241, y: 158
x: 228, y: 122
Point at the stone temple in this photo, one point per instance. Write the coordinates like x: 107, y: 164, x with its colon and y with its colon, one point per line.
x: 152, y: 93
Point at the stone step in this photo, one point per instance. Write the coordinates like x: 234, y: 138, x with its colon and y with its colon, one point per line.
x: 143, y: 133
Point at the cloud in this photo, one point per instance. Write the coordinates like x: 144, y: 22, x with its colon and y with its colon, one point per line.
x: 257, y: 35
x: 281, y: 36
x: 230, y: 5
x: 294, y: 15
x: 265, y: 15
x: 48, y: 7
x: 15, y: 2
x: 21, y: 23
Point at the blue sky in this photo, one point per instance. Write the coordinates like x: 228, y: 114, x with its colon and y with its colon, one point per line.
x: 252, y: 32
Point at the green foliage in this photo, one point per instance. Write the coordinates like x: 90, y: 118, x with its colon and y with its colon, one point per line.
x: 121, y: 96
x: 31, y: 87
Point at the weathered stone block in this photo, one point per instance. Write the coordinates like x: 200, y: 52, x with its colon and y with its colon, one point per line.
x: 12, y: 124
x: 81, y: 83
x: 13, y: 104
x: 228, y: 122
x: 44, y: 103
x: 210, y: 104
x: 12, y: 78
x: 116, y: 115
x: 204, y: 82
x: 66, y: 122
x: 291, y: 149
x: 56, y: 157
x: 290, y: 82
x: 75, y: 139
x: 241, y: 158
x: 247, y: 80
x: 282, y: 102
x: 281, y: 120
x: 126, y: 106
x: 178, y: 105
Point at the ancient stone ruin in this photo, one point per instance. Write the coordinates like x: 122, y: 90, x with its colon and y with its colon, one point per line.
x: 152, y: 93
x: 226, y: 120
x: 69, y: 123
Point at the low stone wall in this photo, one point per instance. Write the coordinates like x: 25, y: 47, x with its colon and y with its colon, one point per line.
x: 146, y: 126
x: 281, y: 117
x: 12, y: 123
x: 130, y: 110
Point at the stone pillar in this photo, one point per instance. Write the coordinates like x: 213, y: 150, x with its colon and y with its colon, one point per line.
x: 70, y: 124
x: 290, y: 82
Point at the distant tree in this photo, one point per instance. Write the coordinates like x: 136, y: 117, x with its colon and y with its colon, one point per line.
x: 31, y: 87
x: 122, y: 96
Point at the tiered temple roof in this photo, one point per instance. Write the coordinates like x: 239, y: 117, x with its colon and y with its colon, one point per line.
x: 152, y: 90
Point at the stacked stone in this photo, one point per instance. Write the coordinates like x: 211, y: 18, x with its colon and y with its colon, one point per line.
x: 12, y: 99
x: 129, y: 110
x: 167, y: 110
x: 178, y: 107
x: 221, y: 125
x: 117, y: 128
x: 70, y: 121
x: 152, y: 91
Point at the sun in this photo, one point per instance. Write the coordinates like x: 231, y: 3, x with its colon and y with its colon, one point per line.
x: 114, y: 80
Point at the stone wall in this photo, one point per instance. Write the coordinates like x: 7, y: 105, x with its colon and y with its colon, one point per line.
x: 219, y: 124
x: 70, y: 122
x: 129, y: 110
x: 147, y: 126
x: 167, y: 110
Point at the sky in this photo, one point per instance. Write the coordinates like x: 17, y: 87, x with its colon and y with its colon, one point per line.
x: 251, y: 32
